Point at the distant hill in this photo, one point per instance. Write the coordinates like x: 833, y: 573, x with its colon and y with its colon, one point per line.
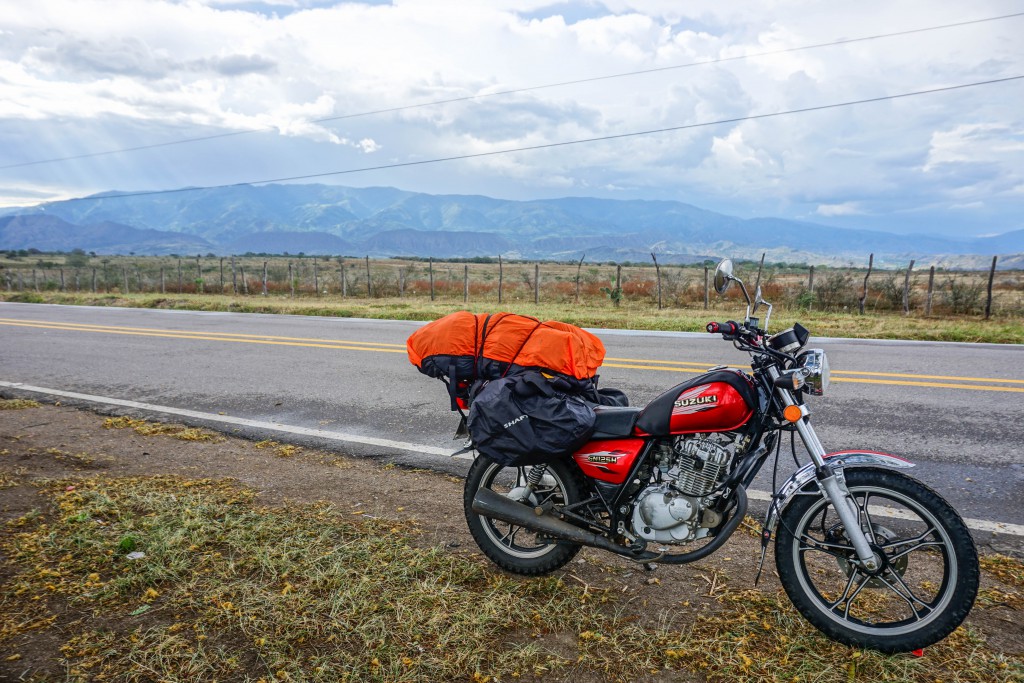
x: 384, y: 221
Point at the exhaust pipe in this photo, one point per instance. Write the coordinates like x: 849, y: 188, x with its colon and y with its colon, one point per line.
x: 496, y: 506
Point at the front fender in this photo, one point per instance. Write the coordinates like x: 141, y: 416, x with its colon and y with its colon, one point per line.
x: 805, y: 475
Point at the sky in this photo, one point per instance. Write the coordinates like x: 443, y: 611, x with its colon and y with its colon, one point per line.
x: 93, y: 78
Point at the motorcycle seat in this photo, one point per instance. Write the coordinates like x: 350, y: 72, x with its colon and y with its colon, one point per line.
x: 614, y: 422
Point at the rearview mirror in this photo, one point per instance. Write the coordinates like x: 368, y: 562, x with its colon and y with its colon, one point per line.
x: 723, y: 275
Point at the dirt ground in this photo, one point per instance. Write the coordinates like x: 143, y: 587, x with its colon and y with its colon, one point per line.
x: 55, y: 442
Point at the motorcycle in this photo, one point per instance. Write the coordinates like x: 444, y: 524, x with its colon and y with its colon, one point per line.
x: 870, y: 556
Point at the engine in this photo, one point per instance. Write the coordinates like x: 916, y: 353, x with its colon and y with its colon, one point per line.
x: 674, y: 509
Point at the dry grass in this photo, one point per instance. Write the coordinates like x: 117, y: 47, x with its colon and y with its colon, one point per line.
x: 229, y: 590
x: 159, y: 428
x: 17, y: 404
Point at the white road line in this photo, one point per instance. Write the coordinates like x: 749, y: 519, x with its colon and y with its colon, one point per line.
x: 976, y: 524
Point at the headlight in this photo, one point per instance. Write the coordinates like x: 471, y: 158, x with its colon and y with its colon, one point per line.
x: 814, y: 363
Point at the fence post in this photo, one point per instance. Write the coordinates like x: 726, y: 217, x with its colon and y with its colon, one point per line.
x: 618, y: 285
x: 931, y: 288
x: 864, y: 296
x: 78, y: 280
x: 199, y: 277
x: 706, y: 292
x: 401, y: 283
x: 179, y: 276
x: 344, y: 281
x: 93, y: 280
x: 35, y: 281
x: 245, y: 283
x: 138, y: 278
x: 579, y: 266
x: 316, y: 276
x: 465, y: 283
x: 991, y: 277
x: 657, y: 275
x: 234, y: 278
x: 264, y: 278
x: 369, y: 284
x: 500, y: 277
x: 291, y: 279
x: 430, y: 266
x: 221, y: 274
x: 536, y: 283
x: 906, y: 288
x: 124, y: 275
x: 163, y: 288
x: 62, y: 279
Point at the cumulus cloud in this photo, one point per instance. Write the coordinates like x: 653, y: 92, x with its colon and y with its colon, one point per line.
x: 329, y: 82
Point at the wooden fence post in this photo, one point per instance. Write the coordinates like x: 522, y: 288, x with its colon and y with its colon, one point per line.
x: 199, y: 276
x: 62, y: 279
x: 264, y: 278
x: 124, y: 276
x: 906, y: 288
x: 536, y: 283
x: 991, y: 277
x: 706, y: 292
x: 291, y: 280
x: 401, y: 283
x: 465, y: 283
x: 657, y: 275
x: 344, y: 280
x: 221, y: 274
x: 93, y: 280
x: 369, y: 287
x: 234, y: 278
x: 864, y: 296
x: 138, y: 278
x: 245, y: 283
x: 931, y: 288
x: 316, y: 277
x: 579, y: 266
x: 163, y: 286
x: 35, y: 280
x: 501, y: 274
x: 179, y: 276
x: 618, y: 285
x: 430, y: 267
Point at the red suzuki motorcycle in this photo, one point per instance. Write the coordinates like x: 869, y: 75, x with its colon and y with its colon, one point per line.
x: 870, y: 556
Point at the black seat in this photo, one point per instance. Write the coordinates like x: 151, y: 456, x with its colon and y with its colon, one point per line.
x: 614, y: 422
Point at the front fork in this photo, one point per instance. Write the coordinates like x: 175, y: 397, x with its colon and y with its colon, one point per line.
x: 831, y: 482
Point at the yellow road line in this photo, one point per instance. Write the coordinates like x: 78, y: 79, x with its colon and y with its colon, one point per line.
x: 863, y: 377
x: 102, y: 328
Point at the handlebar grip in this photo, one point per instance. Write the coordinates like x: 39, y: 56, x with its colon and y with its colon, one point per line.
x: 723, y: 328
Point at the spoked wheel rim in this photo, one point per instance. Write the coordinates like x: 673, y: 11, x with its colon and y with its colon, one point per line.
x: 510, y: 482
x: 918, y: 573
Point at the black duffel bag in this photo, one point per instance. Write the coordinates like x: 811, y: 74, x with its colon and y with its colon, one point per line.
x: 523, y: 420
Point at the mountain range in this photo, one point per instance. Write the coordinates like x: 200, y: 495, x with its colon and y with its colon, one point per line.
x: 384, y: 221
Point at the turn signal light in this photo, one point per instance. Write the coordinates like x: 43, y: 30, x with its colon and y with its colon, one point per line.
x: 792, y: 413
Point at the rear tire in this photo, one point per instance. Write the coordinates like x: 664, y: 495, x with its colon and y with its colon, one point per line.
x: 929, y: 575
x: 514, y: 548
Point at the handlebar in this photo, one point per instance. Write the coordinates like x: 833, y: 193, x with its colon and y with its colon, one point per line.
x: 729, y: 327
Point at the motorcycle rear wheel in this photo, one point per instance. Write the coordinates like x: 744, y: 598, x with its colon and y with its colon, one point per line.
x: 514, y: 548
x: 929, y: 571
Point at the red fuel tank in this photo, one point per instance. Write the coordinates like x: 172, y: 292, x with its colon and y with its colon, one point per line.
x: 718, y: 401
x: 608, y: 459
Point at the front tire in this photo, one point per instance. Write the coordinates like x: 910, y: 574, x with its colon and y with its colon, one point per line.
x: 514, y: 548
x: 929, y: 572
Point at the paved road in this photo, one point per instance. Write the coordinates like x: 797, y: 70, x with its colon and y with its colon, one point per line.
x: 956, y: 409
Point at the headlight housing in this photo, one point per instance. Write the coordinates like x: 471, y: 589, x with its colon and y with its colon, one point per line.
x: 814, y: 366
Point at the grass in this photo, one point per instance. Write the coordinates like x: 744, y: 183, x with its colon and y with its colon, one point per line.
x: 631, y: 315
x: 17, y: 404
x: 229, y: 590
x: 159, y: 428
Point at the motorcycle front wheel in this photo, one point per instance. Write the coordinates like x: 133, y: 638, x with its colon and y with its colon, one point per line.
x: 514, y: 548
x: 928, y: 574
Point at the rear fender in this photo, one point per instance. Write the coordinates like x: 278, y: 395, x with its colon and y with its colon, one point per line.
x: 839, y: 460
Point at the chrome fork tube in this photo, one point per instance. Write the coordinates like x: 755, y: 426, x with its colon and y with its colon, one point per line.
x: 832, y: 484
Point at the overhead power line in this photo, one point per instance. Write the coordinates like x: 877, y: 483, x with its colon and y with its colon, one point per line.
x: 515, y: 91
x: 550, y: 145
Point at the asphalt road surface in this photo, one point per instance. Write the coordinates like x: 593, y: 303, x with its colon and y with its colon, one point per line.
x: 957, y: 410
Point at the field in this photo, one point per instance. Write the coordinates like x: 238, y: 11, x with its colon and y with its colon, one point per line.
x: 212, y: 558
x: 947, y: 306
